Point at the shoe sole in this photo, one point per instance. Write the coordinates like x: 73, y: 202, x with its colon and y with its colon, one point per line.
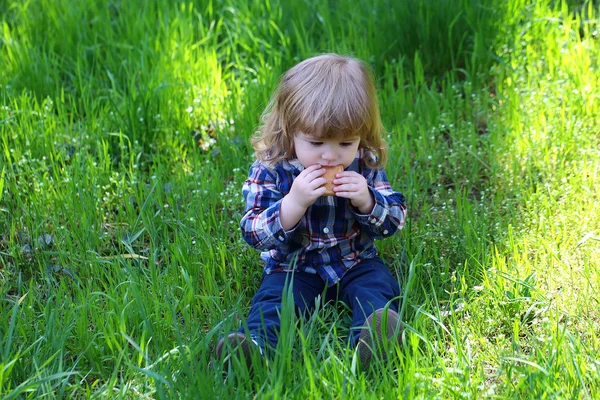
x: 369, y: 339
x: 240, y: 346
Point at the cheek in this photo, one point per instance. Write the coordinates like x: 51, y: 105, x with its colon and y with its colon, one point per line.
x: 305, y: 154
x: 351, y: 152
x: 349, y: 156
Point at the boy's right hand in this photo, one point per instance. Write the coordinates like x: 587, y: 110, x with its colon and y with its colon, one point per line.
x: 308, y: 186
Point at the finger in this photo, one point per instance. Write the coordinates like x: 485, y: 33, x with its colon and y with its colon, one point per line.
x: 342, y: 180
x: 312, y: 175
x: 348, y: 187
x: 320, y: 191
x: 318, y: 182
x: 310, y: 169
x: 347, y: 174
x: 347, y: 195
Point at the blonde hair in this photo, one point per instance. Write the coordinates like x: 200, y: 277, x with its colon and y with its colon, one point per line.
x: 329, y: 96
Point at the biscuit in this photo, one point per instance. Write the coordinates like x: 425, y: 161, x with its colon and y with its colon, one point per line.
x: 330, y: 176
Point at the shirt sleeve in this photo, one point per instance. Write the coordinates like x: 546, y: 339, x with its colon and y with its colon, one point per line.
x: 261, y: 224
x: 389, y: 213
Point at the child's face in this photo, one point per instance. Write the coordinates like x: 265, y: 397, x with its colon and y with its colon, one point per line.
x: 311, y: 150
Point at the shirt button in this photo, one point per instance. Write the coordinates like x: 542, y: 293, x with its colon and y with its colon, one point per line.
x: 373, y: 220
x: 385, y: 232
x: 280, y: 238
x: 325, y: 230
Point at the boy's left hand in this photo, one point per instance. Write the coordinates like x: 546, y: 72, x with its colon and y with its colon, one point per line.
x: 353, y: 186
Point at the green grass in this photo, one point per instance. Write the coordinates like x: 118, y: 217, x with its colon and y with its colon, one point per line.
x: 124, y: 132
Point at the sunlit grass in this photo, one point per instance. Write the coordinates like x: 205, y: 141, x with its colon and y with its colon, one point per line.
x: 124, y: 133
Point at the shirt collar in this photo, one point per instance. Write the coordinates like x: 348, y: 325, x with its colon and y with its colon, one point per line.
x: 294, y: 163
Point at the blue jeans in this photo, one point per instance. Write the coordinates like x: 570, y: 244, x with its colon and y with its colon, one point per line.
x: 365, y: 288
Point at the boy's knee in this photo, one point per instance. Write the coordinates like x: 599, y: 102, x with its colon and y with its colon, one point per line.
x: 268, y: 295
x: 395, y: 287
x: 385, y: 278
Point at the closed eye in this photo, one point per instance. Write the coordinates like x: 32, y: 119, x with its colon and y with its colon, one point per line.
x: 346, y: 144
x: 316, y: 143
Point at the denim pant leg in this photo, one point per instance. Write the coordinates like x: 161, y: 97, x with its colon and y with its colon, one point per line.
x: 365, y: 288
x: 263, y: 320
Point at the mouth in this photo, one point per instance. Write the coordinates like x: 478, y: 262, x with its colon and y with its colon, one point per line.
x: 337, y: 167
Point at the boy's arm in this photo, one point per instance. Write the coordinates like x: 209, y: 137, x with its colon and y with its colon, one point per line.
x: 261, y: 224
x: 290, y: 212
x: 389, y: 211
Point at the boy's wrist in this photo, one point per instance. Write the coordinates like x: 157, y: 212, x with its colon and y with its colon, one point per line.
x: 366, y: 207
x: 294, y: 202
x: 290, y: 212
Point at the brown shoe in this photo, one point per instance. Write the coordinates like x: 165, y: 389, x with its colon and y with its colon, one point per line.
x: 239, y: 346
x: 371, y: 340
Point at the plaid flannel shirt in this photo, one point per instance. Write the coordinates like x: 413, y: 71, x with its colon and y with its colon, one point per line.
x: 332, y: 236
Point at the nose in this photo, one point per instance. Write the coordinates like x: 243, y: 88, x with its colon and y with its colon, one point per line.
x: 328, y: 154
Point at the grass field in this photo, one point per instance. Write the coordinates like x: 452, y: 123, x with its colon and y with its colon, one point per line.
x: 124, y: 130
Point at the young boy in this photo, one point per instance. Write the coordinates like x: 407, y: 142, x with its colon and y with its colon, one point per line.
x: 323, y: 114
